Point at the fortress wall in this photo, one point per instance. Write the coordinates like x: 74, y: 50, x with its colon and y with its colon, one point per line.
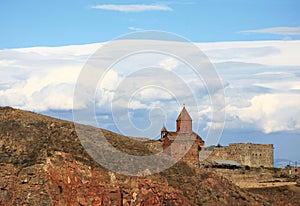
x: 253, y: 155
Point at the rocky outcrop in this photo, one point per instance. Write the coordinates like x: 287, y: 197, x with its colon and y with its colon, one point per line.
x: 65, y: 181
x: 42, y: 162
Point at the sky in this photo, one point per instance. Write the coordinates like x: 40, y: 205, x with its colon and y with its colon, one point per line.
x: 254, y: 47
x: 61, y: 22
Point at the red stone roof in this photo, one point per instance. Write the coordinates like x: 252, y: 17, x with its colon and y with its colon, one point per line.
x: 184, y: 115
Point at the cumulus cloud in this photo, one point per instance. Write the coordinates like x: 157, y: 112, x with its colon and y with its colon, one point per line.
x: 41, y: 78
x: 132, y: 7
x: 261, y: 81
x: 169, y: 64
x: 42, y: 91
x: 270, y: 112
x: 276, y: 30
x: 265, y: 101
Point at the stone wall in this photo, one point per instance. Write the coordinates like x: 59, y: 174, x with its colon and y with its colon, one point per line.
x: 253, y: 155
x: 186, y: 147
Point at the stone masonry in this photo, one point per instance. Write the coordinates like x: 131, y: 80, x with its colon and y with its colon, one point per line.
x: 253, y: 155
x: 184, y: 142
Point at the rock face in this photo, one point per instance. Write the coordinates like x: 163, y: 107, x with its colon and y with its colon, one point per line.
x: 42, y: 162
x: 65, y: 181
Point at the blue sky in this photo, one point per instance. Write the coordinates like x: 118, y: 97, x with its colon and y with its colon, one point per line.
x: 254, y: 46
x: 61, y: 22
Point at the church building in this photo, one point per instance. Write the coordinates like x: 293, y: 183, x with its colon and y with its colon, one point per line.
x: 184, y: 142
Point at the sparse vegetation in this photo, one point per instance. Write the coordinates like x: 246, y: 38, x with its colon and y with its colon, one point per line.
x: 30, y: 141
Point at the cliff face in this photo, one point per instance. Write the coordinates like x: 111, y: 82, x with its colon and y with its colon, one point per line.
x: 42, y: 162
x: 62, y: 180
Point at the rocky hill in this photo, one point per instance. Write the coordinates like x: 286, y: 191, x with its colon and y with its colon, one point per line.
x: 42, y: 162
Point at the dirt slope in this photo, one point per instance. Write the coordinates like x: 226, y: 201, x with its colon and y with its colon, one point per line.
x: 42, y: 162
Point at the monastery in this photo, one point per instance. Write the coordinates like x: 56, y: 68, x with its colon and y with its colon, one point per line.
x: 188, y: 145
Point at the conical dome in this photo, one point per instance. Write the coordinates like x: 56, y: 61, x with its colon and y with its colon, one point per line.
x: 184, y: 115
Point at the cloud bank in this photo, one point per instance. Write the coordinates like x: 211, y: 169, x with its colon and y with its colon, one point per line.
x: 261, y: 81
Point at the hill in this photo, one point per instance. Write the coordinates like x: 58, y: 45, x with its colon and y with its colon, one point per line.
x: 42, y: 162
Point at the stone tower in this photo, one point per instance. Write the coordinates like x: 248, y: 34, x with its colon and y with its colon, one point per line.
x: 184, y: 122
x: 190, y: 143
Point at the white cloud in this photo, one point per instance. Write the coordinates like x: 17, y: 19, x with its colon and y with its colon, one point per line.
x: 169, y: 64
x: 262, y: 91
x: 110, y: 80
x: 132, y: 28
x: 137, y: 105
x: 271, y: 112
x: 276, y: 30
x: 43, y: 90
x: 132, y: 7
x: 54, y: 96
x: 273, y: 53
x: 41, y: 78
